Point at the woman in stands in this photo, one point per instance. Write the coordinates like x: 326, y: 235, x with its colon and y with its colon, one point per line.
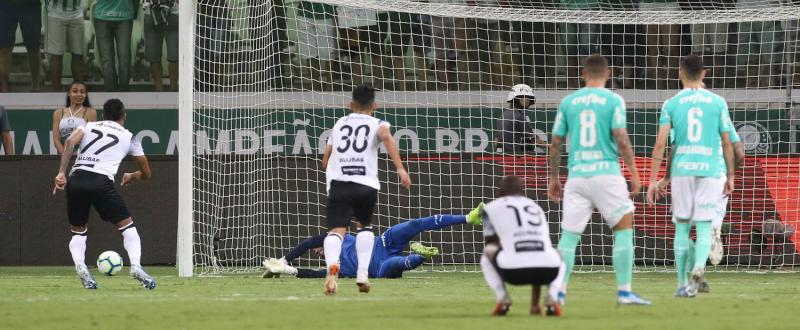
x: 77, y: 112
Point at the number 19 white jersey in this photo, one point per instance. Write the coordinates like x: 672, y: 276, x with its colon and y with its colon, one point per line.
x: 104, y: 145
x: 355, y: 143
x: 521, y: 225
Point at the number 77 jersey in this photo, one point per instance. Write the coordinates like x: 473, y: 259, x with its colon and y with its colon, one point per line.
x: 587, y: 117
x: 104, y: 145
x: 697, y: 117
x: 354, y: 139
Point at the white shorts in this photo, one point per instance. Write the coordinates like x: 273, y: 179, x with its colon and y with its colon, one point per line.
x: 722, y: 206
x: 696, y: 198
x: 64, y: 36
x: 316, y: 38
x: 607, y: 193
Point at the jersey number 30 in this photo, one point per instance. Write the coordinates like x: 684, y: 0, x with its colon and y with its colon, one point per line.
x: 350, y: 138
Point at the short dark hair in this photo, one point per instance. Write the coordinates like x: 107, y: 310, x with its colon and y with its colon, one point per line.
x: 510, y: 186
x: 692, y: 66
x: 113, y: 109
x: 364, y: 95
x: 596, y: 66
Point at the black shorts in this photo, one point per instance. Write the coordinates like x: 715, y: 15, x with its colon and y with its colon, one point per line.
x: 526, y: 276
x: 348, y: 199
x: 86, y: 189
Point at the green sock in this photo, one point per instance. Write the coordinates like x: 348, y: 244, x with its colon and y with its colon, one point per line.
x: 623, y: 258
x: 690, y: 258
x: 566, y: 247
x: 703, y: 244
x: 681, y: 244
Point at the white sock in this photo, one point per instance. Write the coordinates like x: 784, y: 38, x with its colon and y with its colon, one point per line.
x: 333, y: 248
x: 289, y: 270
x: 364, y: 243
x: 494, y: 280
x: 555, y: 286
x: 132, y: 243
x: 77, y: 248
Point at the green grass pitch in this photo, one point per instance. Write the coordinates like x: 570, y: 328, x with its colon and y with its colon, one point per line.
x: 52, y: 298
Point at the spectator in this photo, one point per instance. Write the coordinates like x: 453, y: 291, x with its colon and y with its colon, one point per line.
x: 663, y: 45
x: 619, y: 44
x: 758, y: 51
x: 269, y: 43
x: 5, y: 132
x: 113, y: 22
x: 64, y: 33
x: 398, y: 29
x: 581, y: 40
x: 535, y: 42
x: 449, y: 47
x: 28, y: 15
x: 213, y: 44
x: 710, y: 40
x: 359, y: 35
x: 515, y: 130
x: 161, y: 24
x: 76, y: 113
x: 316, y: 37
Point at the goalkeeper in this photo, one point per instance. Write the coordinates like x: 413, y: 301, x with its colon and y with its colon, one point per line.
x: 387, y: 260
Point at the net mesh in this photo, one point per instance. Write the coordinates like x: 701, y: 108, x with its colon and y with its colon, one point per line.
x: 272, y: 77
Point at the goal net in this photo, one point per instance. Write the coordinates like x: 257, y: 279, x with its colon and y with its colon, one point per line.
x: 263, y: 82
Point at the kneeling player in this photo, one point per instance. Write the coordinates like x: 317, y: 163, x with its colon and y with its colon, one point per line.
x: 101, y: 147
x: 387, y: 260
x: 518, y: 250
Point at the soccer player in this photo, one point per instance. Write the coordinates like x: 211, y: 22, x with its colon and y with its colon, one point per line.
x: 387, y: 261
x: 518, y: 250
x: 701, y: 122
x: 101, y: 147
x: 593, y: 118
x: 351, y: 165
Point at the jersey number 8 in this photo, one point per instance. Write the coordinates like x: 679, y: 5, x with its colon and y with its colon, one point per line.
x: 588, y: 129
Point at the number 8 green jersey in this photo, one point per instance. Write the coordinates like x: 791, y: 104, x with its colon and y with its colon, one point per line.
x: 697, y: 117
x: 587, y: 117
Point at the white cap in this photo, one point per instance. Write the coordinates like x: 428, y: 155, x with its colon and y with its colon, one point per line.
x: 520, y: 90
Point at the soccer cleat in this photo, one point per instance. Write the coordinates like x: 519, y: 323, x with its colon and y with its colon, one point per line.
x: 703, y: 287
x: 717, y: 250
x: 276, y: 267
x: 86, y: 277
x: 474, y: 217
x: 694, y: 281
x: 147, y: 281
x: 562, y: 298
x: 536, y: 310
x: 267, y: 273
x: 553, y: 310
x: 330, y: 280
x: 630, y: 298
x: 683, y: 293
x: 362, y: 281
x: 425, y: 251
x: 501, y: 308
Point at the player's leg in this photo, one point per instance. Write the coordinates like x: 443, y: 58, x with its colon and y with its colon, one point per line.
x: 398, y: 236
x: 393, y: 267
x: 275, y: 267
x: 611, y: 199
x: 78, y: 205
x: 536, y: 293
x: 551, y: 301
x: 310, y: 273
x: 682, y: 206
x: 717, y: 250
x: 363, y: 206
x: 338, y: 214
x: 577, y: 210
x: 494, y: 280
x: 706, y: 198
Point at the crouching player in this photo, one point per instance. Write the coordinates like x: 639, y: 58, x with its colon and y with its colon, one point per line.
x: 518, y: 250
x: 387, y: 260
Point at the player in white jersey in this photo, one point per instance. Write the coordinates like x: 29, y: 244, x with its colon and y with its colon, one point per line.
x: 351, y: 172
x: 518, y: 250
x: 101, y: 147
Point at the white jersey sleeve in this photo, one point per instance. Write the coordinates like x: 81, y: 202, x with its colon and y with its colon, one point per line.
x: 103, y: 147
x: 354, y: 141
x: 135, y: 148
x: 521, y: 225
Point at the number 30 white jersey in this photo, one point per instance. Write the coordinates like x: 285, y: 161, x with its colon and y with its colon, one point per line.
x: 355, y: 143
x: 521, y: 225
x: 104, y: 145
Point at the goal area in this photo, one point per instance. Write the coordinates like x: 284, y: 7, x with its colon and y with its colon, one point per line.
x: 263, y: 82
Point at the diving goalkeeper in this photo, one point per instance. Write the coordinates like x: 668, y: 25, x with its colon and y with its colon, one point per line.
x: 387, y: 260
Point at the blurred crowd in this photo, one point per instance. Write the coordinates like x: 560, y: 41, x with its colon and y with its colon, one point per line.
x: 120, y: 45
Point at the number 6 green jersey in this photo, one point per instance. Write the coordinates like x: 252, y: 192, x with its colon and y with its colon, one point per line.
x: 587, y: 117
x: 697, y: 117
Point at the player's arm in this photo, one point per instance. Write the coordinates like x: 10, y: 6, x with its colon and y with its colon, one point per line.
x: 657, y: 158
x: 141, y: 160
x: 626, y: 151
x: 554, y: 159
x: 727, y: 153
x: 385, y: 135
x: 738, y: 154
x: 69, y: 148
x: 327, y: 156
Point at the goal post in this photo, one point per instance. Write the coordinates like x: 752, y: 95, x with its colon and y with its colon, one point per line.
x: 263, y: 82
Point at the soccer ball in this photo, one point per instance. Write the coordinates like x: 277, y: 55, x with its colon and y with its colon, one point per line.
x: 109, y: 263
